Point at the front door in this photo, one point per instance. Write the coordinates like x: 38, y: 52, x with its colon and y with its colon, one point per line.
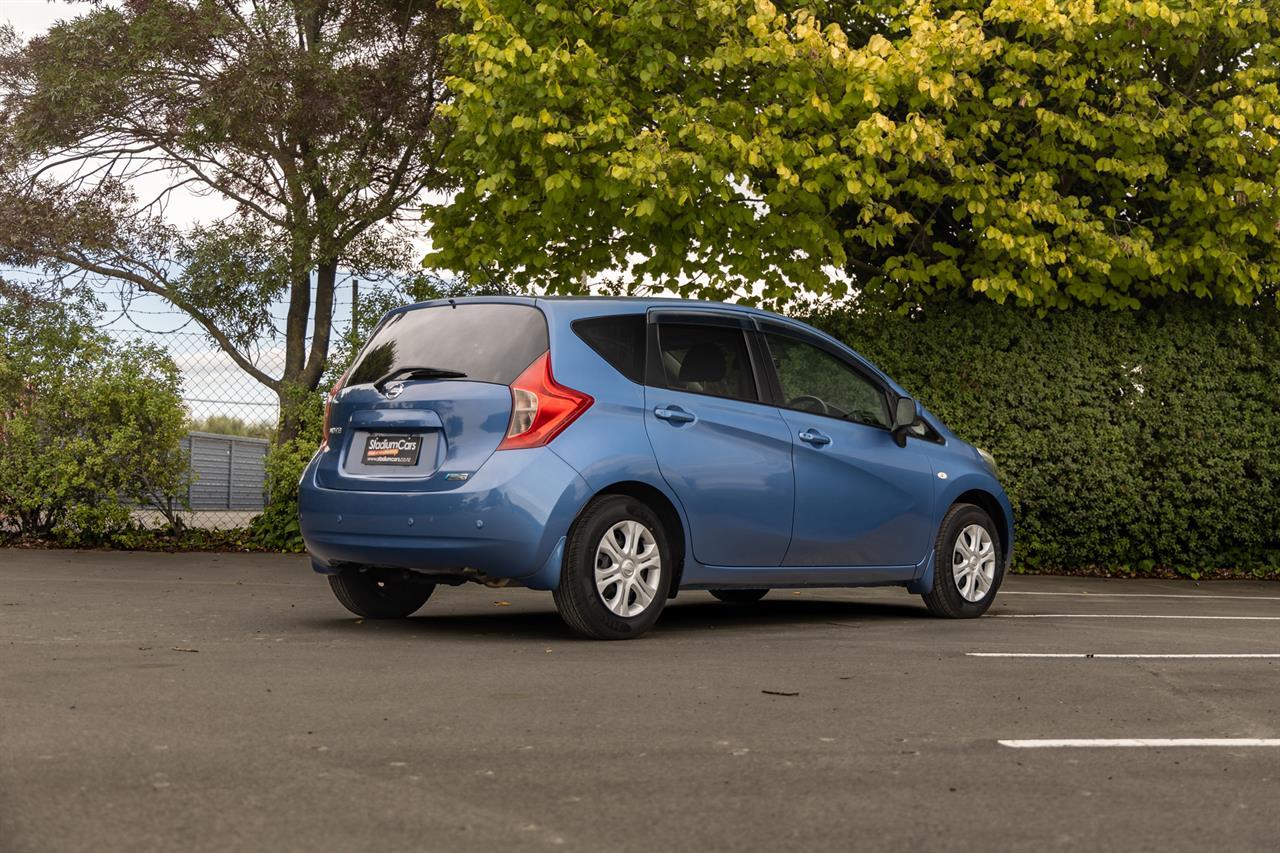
x: 724, y: 452
x: 861, y: 500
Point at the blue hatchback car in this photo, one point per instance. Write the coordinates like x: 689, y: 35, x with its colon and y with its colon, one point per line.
x: 617, y: 451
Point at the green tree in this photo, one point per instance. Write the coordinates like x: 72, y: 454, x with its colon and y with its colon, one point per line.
x: 308, y: 126
x: 1100, y: 152
x: 88, y: 427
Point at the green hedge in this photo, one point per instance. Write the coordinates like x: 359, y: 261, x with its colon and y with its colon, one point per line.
x: 1128, y: 441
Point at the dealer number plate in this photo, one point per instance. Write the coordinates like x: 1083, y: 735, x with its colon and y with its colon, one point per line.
x: 392, y: 449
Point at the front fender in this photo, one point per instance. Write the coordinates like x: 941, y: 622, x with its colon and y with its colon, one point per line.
x: 961, y: 487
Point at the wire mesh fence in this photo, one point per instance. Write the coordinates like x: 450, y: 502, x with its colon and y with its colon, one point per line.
x: 231, y: 424
x: 232, y: 419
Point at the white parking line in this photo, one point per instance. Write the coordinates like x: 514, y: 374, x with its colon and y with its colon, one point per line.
x: 1142, y: 741
x: 1127, y: 616
x: 1144, y: 595
x: 1119, y: 657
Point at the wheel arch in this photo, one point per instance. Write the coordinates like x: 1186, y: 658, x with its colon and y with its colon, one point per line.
x: 988, y: 502
x: 665, y: 507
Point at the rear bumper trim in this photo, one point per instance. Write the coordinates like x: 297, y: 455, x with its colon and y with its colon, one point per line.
x: 507, y: 521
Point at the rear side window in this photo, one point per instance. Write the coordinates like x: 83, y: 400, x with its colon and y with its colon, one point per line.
x: 619, y: 340
x: 707, y: 360
x: 488, y: 342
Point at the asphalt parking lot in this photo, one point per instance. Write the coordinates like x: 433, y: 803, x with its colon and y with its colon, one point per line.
x: 208, y: 702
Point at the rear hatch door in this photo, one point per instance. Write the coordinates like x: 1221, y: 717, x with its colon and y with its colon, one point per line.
x: 427, y: 401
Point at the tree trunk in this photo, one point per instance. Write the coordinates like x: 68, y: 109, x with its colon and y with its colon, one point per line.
x: 292, y: 411
x: 304, y: 367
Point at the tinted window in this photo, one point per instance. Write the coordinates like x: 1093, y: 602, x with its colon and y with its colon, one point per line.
x: 487, y: 342
x: 619, y: 340
x: 814, y: 380
x: 707, y: 360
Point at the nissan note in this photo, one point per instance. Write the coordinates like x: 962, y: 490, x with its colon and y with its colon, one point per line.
x: 619, y: 451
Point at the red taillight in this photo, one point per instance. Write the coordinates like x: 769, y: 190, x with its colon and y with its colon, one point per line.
x: 328, y: 409
x: 541, y: 408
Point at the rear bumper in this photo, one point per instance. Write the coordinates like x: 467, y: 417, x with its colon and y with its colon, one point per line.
x: 507, y: 521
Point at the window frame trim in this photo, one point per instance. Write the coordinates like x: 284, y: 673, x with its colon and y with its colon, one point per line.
x: 655, y: 375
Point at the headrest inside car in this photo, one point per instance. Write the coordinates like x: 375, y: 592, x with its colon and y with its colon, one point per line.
x: 703, y: 363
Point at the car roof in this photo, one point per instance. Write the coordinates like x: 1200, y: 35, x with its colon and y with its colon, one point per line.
x: 603, y: 302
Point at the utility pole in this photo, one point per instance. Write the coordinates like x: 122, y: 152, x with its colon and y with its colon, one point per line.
x: 355, y: 307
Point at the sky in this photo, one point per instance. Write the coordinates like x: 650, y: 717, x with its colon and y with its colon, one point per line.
x: 32, y: 17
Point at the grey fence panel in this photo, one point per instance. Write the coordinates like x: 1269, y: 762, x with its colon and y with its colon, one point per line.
x: 228, y: 472
x: 248, y: 477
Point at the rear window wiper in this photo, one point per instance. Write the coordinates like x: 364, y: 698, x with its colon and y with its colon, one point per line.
x: 418, y: 373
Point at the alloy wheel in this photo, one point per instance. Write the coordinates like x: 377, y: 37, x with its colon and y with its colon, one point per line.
x: 628, y: 568
x: 973, y: 562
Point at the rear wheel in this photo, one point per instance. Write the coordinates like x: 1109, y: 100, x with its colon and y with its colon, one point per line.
x: 739, y: 596
x: 967, y: 564
x: 377, y: 595
x: 617, y: 570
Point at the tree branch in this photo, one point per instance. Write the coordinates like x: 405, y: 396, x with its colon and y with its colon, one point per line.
x: 143, y: 283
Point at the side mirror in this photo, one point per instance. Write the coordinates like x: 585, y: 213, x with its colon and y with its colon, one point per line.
x: 905, y: 414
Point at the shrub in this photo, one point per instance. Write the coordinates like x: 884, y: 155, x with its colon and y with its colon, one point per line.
x: 1126, y: 440
x: 231, y: 425
x: 88, y: 427
x: 277, y: 527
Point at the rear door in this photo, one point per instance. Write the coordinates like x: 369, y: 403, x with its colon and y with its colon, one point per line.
x: 861, y: 500
x: 429, y: 396
x: 724, y: 451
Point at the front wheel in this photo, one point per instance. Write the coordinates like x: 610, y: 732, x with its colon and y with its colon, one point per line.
x: 967, y: 564
x: 378, y: 595
x: 617, y: 570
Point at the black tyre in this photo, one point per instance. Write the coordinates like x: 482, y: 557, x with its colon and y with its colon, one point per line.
x: 379, y: 595
x: 739, y: 596
x: 617, y: 570
x: 968, y: 565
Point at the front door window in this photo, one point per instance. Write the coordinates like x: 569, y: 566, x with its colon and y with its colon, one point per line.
x: 814, y: 380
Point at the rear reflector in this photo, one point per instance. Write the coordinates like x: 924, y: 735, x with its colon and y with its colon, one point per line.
x: 541, y: 408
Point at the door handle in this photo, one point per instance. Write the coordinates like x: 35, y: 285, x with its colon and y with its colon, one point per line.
x: 817, y: 439
x: 675, y: 414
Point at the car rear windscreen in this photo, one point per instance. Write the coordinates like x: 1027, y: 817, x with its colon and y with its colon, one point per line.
x: 487, y: 342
